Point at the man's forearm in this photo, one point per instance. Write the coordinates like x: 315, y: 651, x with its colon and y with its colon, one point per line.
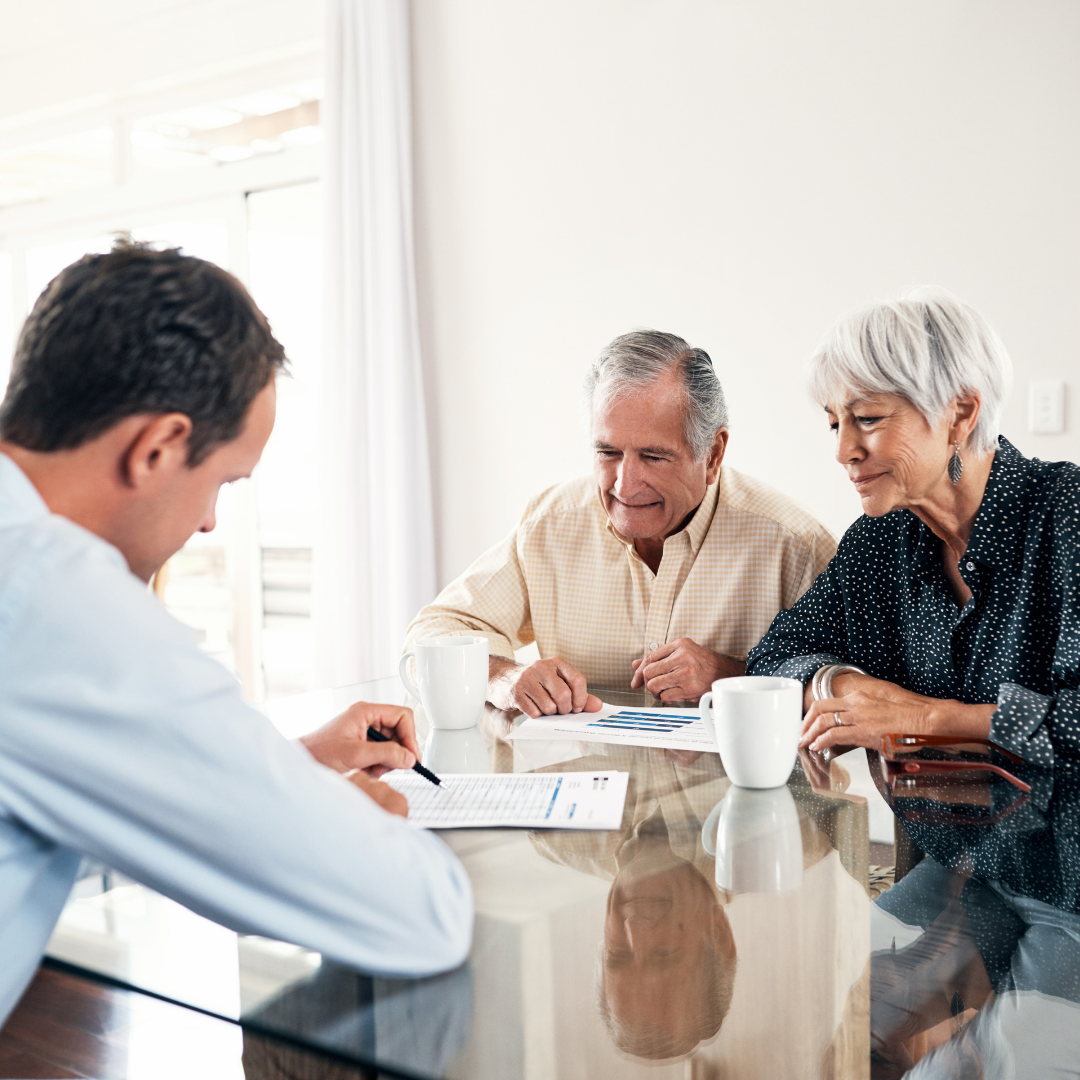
x: 498, y: 664
x: 499, y: 668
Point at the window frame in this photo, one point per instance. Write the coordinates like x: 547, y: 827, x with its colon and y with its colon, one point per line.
x: 219, y: 191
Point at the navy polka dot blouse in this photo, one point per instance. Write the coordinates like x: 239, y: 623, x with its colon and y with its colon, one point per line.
x: 885, y: 604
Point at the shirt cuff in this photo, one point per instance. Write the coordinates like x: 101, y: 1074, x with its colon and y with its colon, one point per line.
x: 1019, y: 723
x: 803, y: 667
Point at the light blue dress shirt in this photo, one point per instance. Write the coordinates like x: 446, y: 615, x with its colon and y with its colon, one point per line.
x: 120, y: 740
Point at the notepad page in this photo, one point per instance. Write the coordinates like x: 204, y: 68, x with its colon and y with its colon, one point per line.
x: 576, y: 800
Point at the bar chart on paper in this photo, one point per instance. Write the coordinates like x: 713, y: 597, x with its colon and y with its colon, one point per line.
x: 676, y: 729
x: 576, y: 800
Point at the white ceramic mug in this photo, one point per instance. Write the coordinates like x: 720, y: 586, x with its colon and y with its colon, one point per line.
x: 453, y: 675
x: 758, y: 840
x: 755, y: 721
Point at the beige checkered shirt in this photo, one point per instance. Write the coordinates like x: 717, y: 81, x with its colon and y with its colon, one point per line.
x: 567, y: 580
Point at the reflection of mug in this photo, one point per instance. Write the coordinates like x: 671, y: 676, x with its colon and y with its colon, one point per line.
x: 758, y: 840
x: 457, y: 751
x: 755, y: 721
x: 453, y: 674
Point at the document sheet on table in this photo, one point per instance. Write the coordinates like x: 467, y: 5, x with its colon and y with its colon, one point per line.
x: 676, y: 729
x: 575, y: 800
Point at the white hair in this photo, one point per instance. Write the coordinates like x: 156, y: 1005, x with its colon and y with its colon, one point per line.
x: 928, y: 348
x: 636, y: 360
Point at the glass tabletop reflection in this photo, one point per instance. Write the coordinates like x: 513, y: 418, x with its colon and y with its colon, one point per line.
x: 718, y: 930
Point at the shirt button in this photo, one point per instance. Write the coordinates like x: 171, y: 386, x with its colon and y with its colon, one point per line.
x: 653, y: 647
x: 970, y: 565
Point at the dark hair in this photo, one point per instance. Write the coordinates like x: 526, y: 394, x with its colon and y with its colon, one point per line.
x: 138, y: 331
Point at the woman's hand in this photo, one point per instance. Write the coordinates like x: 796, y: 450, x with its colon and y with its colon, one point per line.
x: 826, y: 777
x: 868, y: 708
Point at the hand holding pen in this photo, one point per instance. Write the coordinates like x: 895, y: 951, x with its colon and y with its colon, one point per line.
x: 378, y: 736
x: 345, y: 746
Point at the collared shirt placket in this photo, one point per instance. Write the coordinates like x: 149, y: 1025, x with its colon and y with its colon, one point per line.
x: 942, y: 610
x: 665, y: 587
x: 642, y: 581
x: 965, y: 623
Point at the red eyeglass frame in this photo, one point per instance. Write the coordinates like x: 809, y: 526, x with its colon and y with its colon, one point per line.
x: 895, y: 746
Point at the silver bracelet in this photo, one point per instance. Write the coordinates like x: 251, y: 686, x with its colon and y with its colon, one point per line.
x: 821, y: 684
x: 815, y: 682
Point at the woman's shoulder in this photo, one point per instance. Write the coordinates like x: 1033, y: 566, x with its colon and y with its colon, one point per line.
x: 1030, y: 481
x: 1055, y: 483
x: 875, y: 547
x: 1053, y: 506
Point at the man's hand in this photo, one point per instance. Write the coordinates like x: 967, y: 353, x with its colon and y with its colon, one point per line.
x: 544, y: 688
x: 682, y: 670
x: 868, y: 708
x: 342, y: 743
x: 393, y: 802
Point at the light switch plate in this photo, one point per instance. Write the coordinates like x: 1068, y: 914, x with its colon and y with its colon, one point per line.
x: 1046, y: 407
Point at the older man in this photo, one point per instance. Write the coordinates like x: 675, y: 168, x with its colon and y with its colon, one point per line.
x: 661, y: 570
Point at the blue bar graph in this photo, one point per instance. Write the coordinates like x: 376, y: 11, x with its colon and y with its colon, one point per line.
x: 628, y: 720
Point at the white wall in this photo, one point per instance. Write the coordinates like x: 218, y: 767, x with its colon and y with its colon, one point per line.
x: 741, y: 173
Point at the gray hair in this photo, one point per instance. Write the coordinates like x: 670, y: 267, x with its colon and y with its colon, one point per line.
x: 636, y: 360
x: 927, y: 347
x: 652, y: 1042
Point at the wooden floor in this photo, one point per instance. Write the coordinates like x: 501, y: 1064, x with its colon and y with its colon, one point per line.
x: 66, y: 1027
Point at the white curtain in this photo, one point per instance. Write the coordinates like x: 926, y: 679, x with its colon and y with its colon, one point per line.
x: 374, y: 552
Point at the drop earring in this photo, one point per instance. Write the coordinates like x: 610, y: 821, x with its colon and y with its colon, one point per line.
x: 956, y: 465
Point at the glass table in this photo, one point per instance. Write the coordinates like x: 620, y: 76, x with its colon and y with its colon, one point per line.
x: 718, y: 932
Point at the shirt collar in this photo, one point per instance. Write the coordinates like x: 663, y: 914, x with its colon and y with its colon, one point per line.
x: 19, y: 499
x: 698, y: 528
x: 997, y: 536
x: 696, y: 531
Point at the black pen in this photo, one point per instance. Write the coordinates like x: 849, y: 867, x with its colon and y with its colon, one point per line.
x: 377, y: 736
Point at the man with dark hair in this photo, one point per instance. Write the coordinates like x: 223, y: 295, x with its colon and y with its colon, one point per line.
x: 143, y: 380
x: 138, y: 331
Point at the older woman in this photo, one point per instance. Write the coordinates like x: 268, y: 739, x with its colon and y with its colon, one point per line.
x: 952, y: 605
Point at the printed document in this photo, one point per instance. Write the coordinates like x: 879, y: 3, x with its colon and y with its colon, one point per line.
x: 575, y: 800
x: 676, y: 729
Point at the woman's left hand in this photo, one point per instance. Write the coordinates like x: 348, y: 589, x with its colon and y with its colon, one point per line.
x: 826, y: 777
x: 868, y: 708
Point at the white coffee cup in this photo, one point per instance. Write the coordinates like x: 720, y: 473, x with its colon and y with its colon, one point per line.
x: 453, y: 675
x: 758, y: 840
x: 755, y: 721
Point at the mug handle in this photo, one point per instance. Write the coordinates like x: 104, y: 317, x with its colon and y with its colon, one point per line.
x: 705, y: 707
x: 409, y: 685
